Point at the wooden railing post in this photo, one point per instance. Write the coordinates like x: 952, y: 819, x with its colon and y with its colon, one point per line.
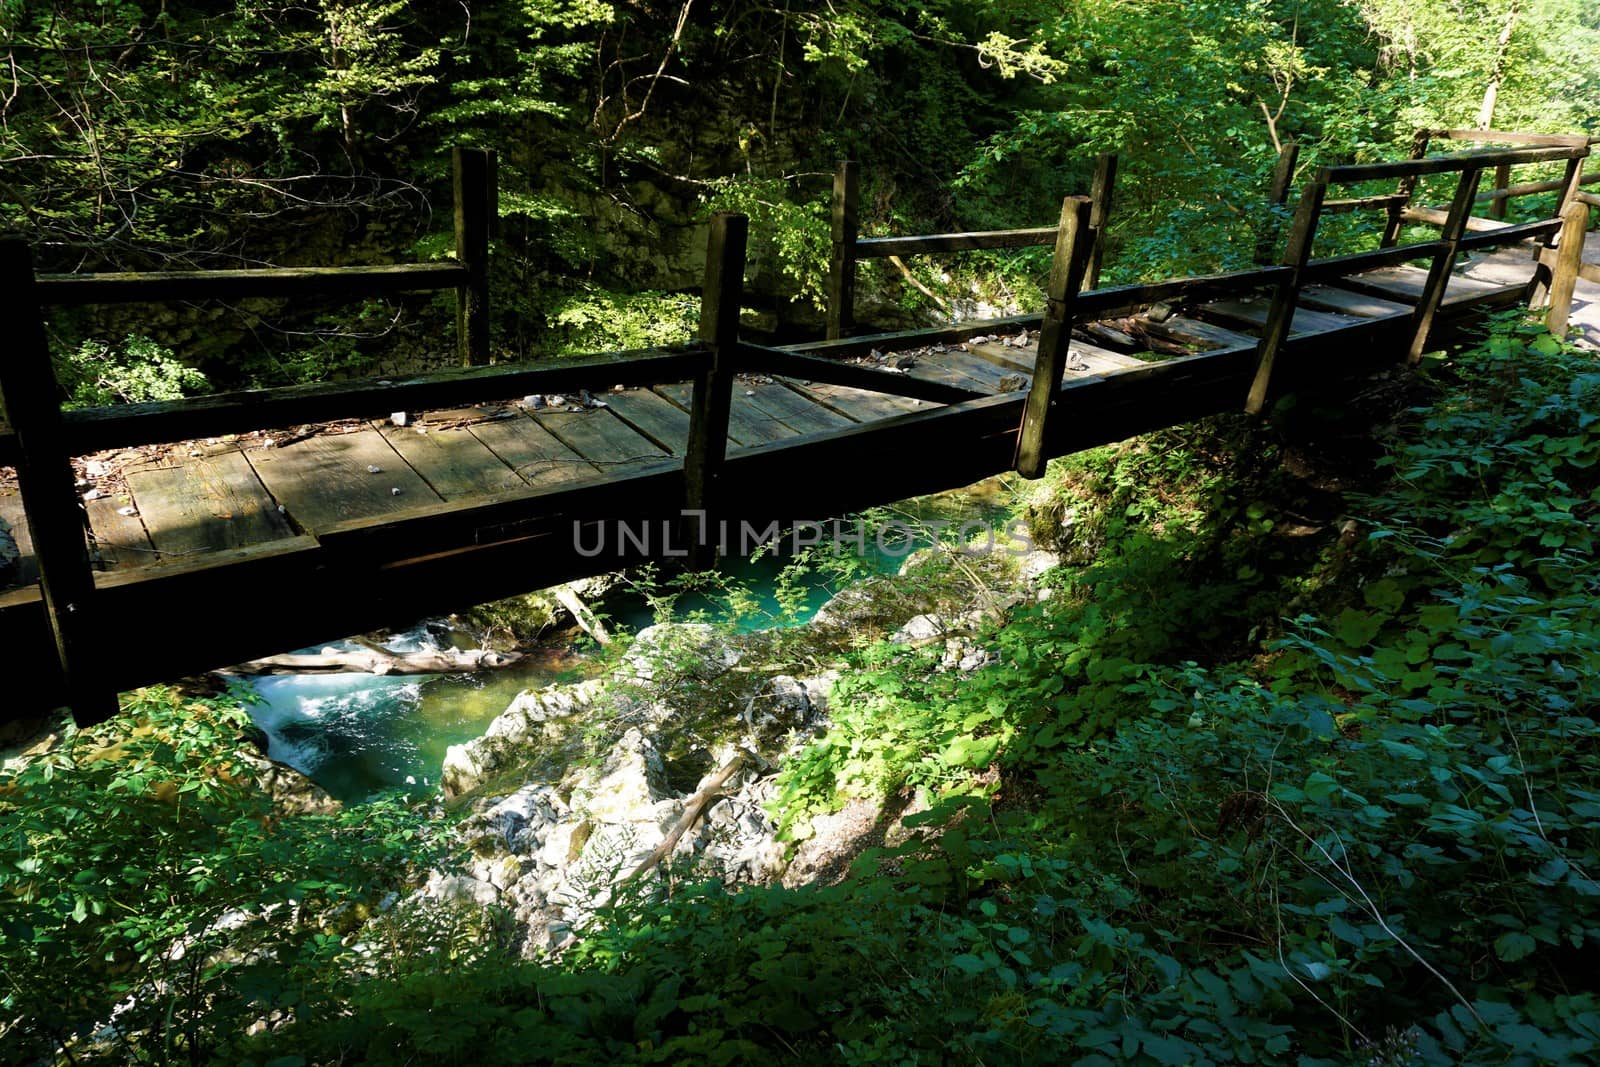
x: 1502, y: 182
x: 1075, y: 240
x: 842, y: 265
x: 55, y: 514
x: 713, y: 387
x: 1100, y: 197
x: 1277, y: 197
x: 1405, y: 187
x: 1569, y: 262
x: 476, y: 208
x: 1571, y: 184
x: 1281, y: 315
x: 1444, y: 261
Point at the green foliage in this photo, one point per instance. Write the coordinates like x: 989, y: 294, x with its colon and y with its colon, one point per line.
x: 155, y: 902
x: 97, y: 374
x: 599, y: 320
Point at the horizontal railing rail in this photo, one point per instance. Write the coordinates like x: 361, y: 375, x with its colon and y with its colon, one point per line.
x: 89, y: 430
x: 849, y: 247
x: 79, y: 290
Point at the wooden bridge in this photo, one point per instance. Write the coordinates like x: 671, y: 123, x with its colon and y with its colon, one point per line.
x: 167, y: 538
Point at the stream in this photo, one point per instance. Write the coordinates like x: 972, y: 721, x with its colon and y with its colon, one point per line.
x: 359, y: 734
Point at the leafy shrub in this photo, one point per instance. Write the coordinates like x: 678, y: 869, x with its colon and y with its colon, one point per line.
x: 98, y: 374
x: 155, y: 903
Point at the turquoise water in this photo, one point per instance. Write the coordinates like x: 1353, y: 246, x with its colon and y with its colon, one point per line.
x: 357, y: 735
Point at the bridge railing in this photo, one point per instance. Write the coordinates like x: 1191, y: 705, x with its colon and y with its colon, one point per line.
x: 848, y: 248
x: 42, y: 439
x: 1441, y: 254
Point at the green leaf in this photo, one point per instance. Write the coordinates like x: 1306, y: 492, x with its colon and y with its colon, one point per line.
x: 1514, y: 946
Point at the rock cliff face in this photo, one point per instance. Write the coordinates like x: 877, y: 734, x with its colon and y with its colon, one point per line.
x: 665, y: 767
x: 574, y: 787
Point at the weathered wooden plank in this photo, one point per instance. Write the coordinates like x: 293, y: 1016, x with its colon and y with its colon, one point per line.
x: 663, y: 422
x: 450, y: 459
x: 1008, y: 358
x: 77, y: 290
x: 529, y: 449
x: 928, y: 370
x: 599, y: 437
x: 1254, y: 313
x: 797, y: 412
x: 980, y: 370
x: 327, y: 478
x: 1344, y: 301
x: 1277, y: 196
x: 746, y: 426
x: 857, y: 404
x: 432, y: 528
x: 97, y: 429
x: 208, y: 504
x: 1185, y: 330
x: 118, y: 540
x: 1406, y: 283
x: 12, y: 512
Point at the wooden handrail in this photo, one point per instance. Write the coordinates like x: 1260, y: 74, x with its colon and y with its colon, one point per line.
x: 1515, y: 137
x: 93, y: 429
x: 1412, y: 168
x: 849, y: 247
x: 80, y: 290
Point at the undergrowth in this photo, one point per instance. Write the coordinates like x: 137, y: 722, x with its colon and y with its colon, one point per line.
x: 1298, y: 767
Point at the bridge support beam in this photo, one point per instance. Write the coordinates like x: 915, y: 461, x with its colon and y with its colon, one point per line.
x: 713, y: 387
x: 30, y: 393
x: 1075, y: 242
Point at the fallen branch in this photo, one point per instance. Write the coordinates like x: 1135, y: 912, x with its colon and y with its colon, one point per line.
x: 582, y: 614
x: 378, y: 660
x: 917, y: 284
x: 691, y: 814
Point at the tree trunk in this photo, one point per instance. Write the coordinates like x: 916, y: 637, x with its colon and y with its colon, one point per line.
x: 1498, y: 72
